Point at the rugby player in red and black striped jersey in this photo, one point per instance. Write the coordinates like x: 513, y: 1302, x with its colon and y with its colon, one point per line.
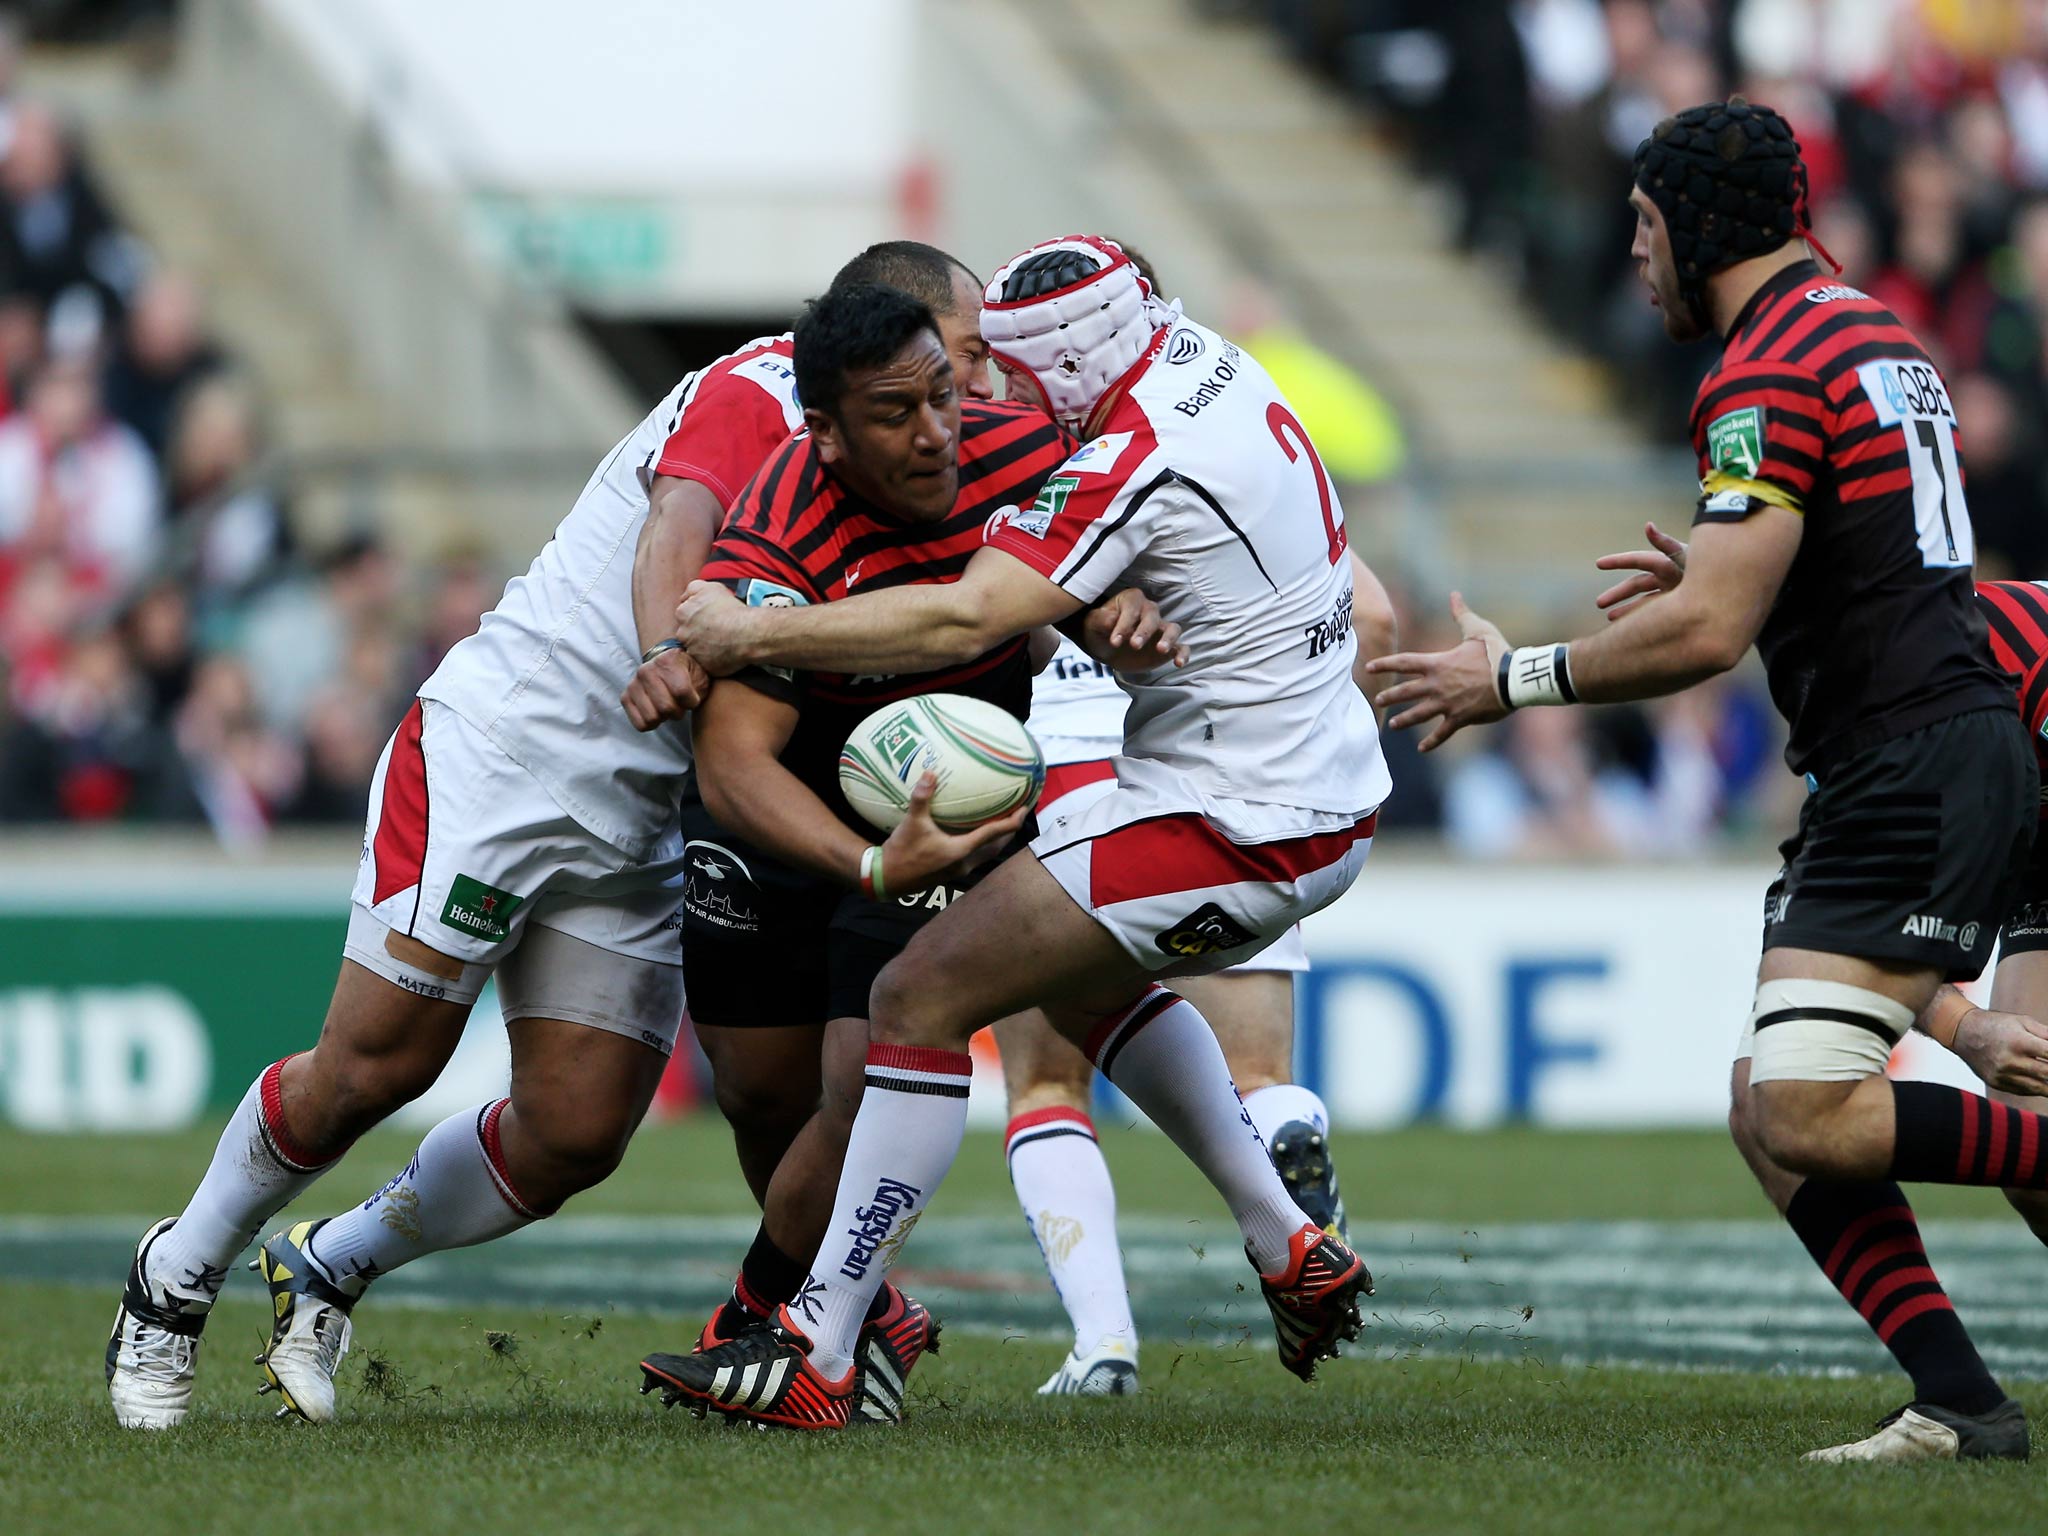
x: 789, y: 912
x: 1831, y: 531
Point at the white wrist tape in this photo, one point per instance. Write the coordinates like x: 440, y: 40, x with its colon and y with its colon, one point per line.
x: 1536, y: 674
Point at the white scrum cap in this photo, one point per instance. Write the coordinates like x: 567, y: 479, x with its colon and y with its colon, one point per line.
x: 1072, y: 315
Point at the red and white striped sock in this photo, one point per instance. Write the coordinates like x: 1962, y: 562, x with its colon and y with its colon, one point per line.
x: 258, y: 1169
x: 904, y: 1140
x: 1063, y: 1184
x: 1162, y: 1053
x: 455, y: 1193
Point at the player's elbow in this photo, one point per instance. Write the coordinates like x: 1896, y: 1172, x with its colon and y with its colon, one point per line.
x: 1373, y: 622
x: 723, y: 782
x: 1711, y: 645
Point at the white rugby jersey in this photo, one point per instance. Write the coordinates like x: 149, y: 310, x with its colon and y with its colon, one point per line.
x: 542, y: 677
x: 1077, y: 709
x: 1202, y: 489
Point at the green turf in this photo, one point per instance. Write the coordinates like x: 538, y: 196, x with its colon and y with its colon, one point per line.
x: 445, y: 1432
x: 686, y: 1167
x: 543, y: 1434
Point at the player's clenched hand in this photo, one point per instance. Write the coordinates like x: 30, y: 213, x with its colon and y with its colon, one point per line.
x: 666, y: 688
x: 2008, y: 1050
x: 1455, y: 688
x: 713, y: 626
x: 1658, y: 570
x: 1127, y: 632
x: 920, y: 852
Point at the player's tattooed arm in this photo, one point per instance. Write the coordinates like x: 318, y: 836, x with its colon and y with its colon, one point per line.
x: 682, y: 520
x: 916, y: 628
x: 1704, y: 626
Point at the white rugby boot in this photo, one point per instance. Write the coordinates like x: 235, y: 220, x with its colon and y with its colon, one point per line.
x: 153, y: 1352
x: 310, y: 1328
x: 1110, y: 1369
x: 1924, y: 1432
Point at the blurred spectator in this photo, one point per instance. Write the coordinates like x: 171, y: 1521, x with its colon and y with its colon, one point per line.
x: 339, y: 621
x: 56, y: 233
x: 226, y: 520
x: 75, y: 484
x: 163, y: 352
x: 240, y: 771
x: 345, y: 736
x: 1539, y: 790
x: 91, y: 752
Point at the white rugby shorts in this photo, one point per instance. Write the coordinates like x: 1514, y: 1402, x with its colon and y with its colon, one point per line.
x: 1149, y: 857
x: 464, y: 850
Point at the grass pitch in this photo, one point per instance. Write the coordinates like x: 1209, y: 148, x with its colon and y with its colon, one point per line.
x: 466, y: 1411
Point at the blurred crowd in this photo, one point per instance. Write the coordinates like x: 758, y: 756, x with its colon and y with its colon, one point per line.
x: 1924, y: 125
x: 166, y: 654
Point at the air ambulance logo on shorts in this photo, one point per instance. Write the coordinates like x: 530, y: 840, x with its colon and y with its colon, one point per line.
x: 481, y: 909
x: 1204, y: 931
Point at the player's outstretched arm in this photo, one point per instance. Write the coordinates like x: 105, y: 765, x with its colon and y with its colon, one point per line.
x: 1702, y: 627
x: 900, y: 629
x: 682, y: 520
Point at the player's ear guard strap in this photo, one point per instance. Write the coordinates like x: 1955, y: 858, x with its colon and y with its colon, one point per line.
x: 1822, y: 1031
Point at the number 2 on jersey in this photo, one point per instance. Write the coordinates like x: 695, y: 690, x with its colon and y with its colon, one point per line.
x: 1282, y: 422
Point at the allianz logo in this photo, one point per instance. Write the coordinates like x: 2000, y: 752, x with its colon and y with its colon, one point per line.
x: 101, y: 1059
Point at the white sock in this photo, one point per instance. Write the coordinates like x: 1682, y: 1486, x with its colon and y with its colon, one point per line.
x: 905, y: 1138
x: 257, y: 1170
x: 1068, y: 1199
x: 1280, y: 1103
x: 454, y: 1193
x: 1162, y: 1053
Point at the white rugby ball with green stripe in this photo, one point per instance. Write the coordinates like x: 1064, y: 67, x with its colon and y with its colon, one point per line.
x: 986, y: 762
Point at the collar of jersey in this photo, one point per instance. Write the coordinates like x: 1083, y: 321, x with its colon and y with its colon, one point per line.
x: 1794, y: 276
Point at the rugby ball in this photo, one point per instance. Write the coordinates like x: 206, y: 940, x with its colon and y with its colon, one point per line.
x: 986, y: 762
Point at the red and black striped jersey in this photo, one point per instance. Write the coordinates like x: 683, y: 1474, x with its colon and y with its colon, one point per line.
x: 1823, y: 403
x: 2017, y: 612
x: 797, y: 535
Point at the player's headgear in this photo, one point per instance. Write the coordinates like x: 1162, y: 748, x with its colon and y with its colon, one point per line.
x: 1729, y: 181
x: 1072, y: 315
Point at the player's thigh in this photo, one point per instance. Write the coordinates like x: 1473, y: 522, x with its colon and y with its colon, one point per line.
x: 1014, y: 941
x: 1042, y: 1069
x: 1252, y: 1013
x: 2020, y: 985
x: 580, y: 1092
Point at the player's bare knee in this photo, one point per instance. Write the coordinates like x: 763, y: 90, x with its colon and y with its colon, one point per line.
x: 908, y: 1007
x: 754, y: 1102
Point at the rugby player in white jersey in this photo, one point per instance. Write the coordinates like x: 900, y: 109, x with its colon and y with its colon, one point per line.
x: 1055, y: 1164
x: 1245, y: 798
x: 520, y: 824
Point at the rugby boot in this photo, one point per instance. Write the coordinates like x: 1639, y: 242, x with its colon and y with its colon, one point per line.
x: 761, y: 1377
x: 310, y: 1328
x: 1926, y: 1432
x: 727, y: 1323
x: 892, y: 1341
x: 1314, y: 1300
x: 1110, y: 1369
x: 153, y: 1352
x: 1301, y: 1154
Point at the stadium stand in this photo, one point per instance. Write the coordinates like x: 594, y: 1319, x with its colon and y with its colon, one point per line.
x: 1925, y: 123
